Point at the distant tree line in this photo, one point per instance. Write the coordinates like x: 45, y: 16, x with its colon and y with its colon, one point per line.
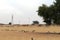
x: 50, y: 14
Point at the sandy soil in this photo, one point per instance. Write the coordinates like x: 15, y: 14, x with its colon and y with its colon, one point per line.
x: 10, y: 35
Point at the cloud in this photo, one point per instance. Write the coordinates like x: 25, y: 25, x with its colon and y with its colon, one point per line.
x: 22, y: 9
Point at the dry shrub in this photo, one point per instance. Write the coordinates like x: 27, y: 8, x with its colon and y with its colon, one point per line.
x: 33, y: 31
x: 6, y: 29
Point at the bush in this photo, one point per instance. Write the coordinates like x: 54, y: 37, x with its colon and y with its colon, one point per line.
x: 35, y: 22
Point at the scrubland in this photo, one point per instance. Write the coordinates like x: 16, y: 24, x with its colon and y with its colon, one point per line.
x: 29, y: 32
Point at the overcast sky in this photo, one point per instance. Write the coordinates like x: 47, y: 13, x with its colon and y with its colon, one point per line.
x: 24, y: 11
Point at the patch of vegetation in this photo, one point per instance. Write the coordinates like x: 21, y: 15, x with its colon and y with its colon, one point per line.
x: 50, y: 14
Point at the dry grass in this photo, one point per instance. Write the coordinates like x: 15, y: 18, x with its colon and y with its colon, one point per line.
x: 32, y: 32
x: 31, y: 28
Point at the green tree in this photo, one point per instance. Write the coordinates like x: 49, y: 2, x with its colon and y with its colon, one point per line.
x: 57, y: 5
x: 44, y: 11
x: 50, y: 14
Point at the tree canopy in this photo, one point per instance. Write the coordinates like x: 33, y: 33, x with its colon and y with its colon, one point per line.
x: 50, y: 14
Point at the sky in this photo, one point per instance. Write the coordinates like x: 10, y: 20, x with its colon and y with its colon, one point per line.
x: 24, y: 11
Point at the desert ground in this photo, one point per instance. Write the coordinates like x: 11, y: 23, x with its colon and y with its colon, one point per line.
x: 29, y: 32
